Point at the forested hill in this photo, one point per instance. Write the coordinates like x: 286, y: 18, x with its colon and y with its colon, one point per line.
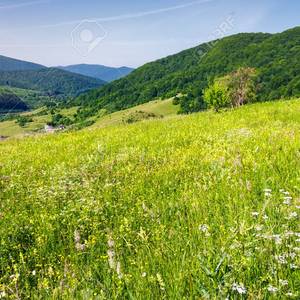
x: 12, y: 64
x: 51, y: 80
x: 275, y: 56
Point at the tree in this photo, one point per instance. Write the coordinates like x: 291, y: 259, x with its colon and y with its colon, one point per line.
x: 234, y: 89
x: 241, y: 85
x: 217, y: 95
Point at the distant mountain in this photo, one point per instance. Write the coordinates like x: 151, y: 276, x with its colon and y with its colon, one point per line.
x: 12, y: 64
x: 274, y: 56
x: 107, y: 74
x: 26, y: 75
x: 51, y: 80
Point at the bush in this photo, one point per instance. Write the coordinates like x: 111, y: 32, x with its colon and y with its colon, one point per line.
x: 217, y: 96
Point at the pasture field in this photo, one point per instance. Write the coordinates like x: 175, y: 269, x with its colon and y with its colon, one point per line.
x: 204, y: 206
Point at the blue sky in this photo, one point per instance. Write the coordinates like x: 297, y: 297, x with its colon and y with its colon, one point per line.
x: 129, y: 32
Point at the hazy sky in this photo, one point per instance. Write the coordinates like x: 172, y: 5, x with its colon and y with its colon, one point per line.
x: 129, y: 32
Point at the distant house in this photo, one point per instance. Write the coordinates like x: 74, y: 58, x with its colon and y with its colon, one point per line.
x: 49, y: 128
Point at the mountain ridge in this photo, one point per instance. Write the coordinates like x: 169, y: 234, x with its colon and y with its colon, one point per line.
x: 275, y: 56
x: 102, y: 72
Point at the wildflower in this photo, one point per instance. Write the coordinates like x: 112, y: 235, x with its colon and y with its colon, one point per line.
x: 160, y: 281
x: 272, y: 289
x: 281, y: 259
x: 77, y: 238
x: 297, y: 249
x: 292, y: 215
x: 277, y: 239
x: 255, y: 214
x: 283, y: 282
x: 293, y: 267
x: 240, y: 288
x: 144, y: 274
x: 289, y: 294
x: 33, y: 272
x: 287, y: 202
x: 111, y: 258
x: 2, y: 294
x: 265, y: 217
x: 259, y: 227
x: 205, y: 229
x: 118, y: 270
x: 285, y: 193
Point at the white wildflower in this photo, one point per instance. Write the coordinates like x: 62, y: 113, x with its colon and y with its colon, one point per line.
x: 265, y: 217
x: 33, y: 272
x: 111, y: 258
x: 292, y: 255
x: 259, y: 227
x: 278, y: 240
x: 285, y: 193
x: 293, y: 267
x: 283, y: 282
x: 118, y: 270
x: 287, y: 202
x: 77, y: 238
x: 292, y: 215
x: 272, y: 289
x: 205, y: 229
x: 290, y: 294
x: 255, y: 214
x: 281, y: 259
x: 297, y: 249
x: 240, y: 288
x: 2, y: 294
x: 144, y: 274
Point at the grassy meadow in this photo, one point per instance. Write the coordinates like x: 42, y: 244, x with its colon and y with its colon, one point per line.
x: 204, y: 206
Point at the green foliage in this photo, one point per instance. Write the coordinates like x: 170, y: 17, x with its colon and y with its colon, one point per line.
x: 140, y: 116
x: 10, y: 102
x: 54, y: 82
x: 59, y: 119
x: 275, y: 57
x: 23, y: 120
x: 234, y: 89
x: 204, y: 206
x: 217, y: 95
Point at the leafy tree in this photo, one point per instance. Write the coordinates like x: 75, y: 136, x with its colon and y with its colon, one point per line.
x: 241, y: 86
x: 234, y: 89
x: 23, y: 120
x: 217, y: 95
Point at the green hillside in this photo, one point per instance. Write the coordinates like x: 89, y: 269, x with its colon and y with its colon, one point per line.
x: 276, y: 58
x: 12, y: 64
x: 204, y: 206
x: 40, y: 117
x: 51, y: 80
x: 33, y: 99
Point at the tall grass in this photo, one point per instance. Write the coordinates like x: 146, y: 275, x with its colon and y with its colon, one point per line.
x: 198, y: 207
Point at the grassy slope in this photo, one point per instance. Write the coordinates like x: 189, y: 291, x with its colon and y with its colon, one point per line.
x: 171, y: 200
x: 158, y: 107
x: 12, y: 129
x: 165, y: 108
